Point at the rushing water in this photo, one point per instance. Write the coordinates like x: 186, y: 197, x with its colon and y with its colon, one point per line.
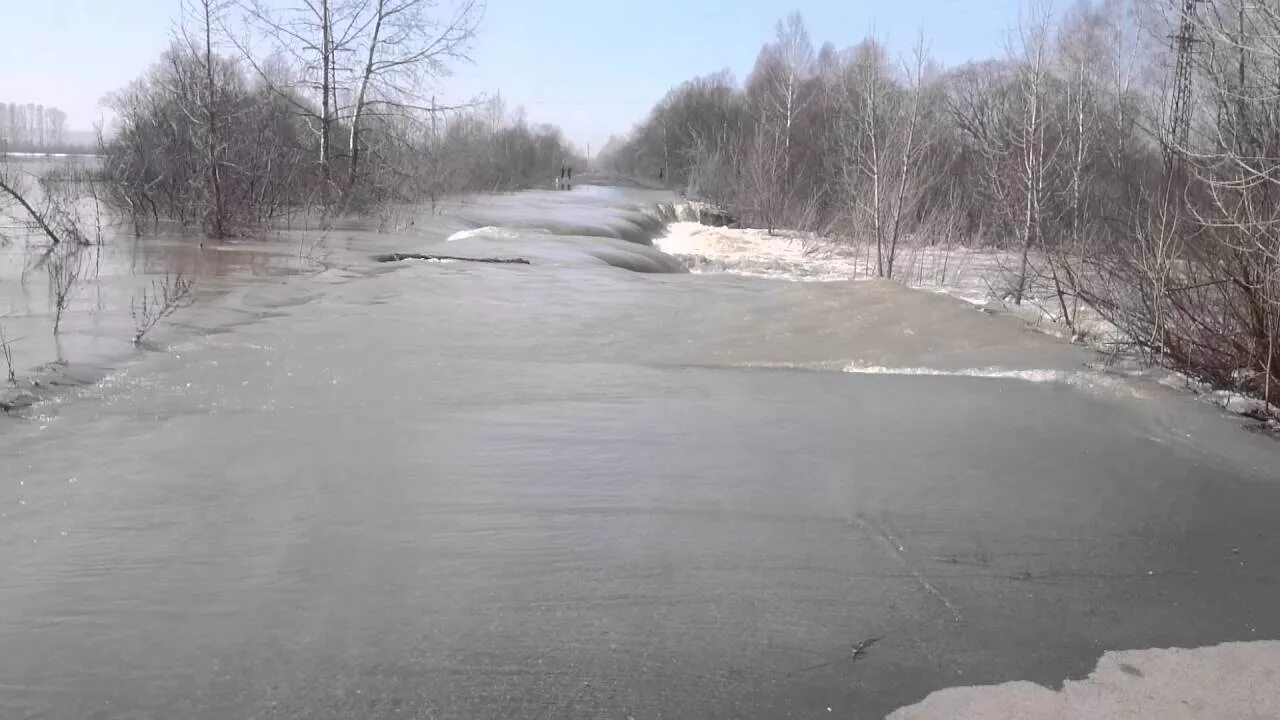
x: 339, y: 488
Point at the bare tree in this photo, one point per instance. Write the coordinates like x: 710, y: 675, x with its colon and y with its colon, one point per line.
x: 362, y: 66
x: 777, y: 93
x: 763, y: 167
x: 785, y: 96
x: 1057, y: 151
x: 204, y: 15
x: 883, y: 144
x: 1030, y: 139
x: 31, y: 128
x: 865, y: 123
x: 6, y: 348
x: 404, y: 49
x: 313, y: 34
x: 48, y: 206
x: 911, y: 146
x: 64, y: 266
x: 12, y: 186
x: 163, y: 298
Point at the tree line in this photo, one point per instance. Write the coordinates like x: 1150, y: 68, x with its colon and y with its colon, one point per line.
x: 257, y: 110
x: 1127, y: 151
x: 31, y: 128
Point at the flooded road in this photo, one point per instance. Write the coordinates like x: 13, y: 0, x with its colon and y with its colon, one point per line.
x: 593, y: 487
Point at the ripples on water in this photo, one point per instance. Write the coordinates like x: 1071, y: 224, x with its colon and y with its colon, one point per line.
x: 338, y: 488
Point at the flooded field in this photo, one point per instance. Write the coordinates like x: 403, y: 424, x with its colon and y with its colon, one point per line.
x: 592, y: 485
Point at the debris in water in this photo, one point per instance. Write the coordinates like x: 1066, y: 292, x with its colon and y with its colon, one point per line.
x: 399, y: 257
x: 861, y: 648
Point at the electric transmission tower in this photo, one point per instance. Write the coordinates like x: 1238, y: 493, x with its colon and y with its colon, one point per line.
x: 1184, y: 42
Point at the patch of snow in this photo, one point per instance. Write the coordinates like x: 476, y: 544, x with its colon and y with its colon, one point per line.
x: 1230, y: 401
x: 1238, y: 680
x: 1234, y: 402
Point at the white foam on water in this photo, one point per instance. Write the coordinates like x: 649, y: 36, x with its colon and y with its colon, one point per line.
x: 1090, y: 380
x: 1237, y: 403
x: 1238, y: 680
x: 489, y: 231
x: 965, y: 273
x: 978, y: 276
x: 1033, y: 375
x: 786, y: 255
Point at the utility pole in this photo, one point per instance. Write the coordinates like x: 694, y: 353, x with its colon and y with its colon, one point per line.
x: 1180, y: 111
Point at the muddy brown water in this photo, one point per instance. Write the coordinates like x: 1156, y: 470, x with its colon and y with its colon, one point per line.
x: 340, y: 488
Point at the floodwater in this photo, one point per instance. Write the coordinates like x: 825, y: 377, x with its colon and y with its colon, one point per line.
x: 589, y: 487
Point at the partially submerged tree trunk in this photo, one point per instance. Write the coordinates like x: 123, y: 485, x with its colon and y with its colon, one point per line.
x: 1031, y: 144
x: 366, y: 76
x: 8, y: 187
x: 400, y: 257
x: 326, y: 96
x: 909, y: 152
x: 217, y: 214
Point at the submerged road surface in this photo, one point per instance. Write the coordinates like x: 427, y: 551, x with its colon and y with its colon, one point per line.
x: 571, y: 490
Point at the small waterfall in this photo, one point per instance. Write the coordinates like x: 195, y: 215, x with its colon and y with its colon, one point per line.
x: 692, y: 211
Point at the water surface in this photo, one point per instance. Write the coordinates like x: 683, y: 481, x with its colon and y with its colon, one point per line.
x: 340, y: 488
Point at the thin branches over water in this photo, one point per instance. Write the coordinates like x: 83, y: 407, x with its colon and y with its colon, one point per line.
x: 49, y: 205
x: 64, y: 266
x: 160, y: 300
x: 6, y: 349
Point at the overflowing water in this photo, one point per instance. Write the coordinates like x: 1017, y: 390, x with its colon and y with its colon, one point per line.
x: 594, y: 485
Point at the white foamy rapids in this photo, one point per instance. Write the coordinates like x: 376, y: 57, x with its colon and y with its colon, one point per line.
x: 965, y: 273
x: 490, y: 231
x: 1074, y: 378
x: 1233, y: 680
x: 786, y: 255
x: 693, y: 211
x: 1036, y: 376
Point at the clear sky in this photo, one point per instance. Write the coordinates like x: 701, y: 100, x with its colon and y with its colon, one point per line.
x: 594, y: 67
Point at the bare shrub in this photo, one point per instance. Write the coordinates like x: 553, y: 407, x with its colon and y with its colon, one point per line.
x: 54, y: 220
x: 63, y: 190
x: 64, y: 265
x: 7, y: 350
x: 163, y: 298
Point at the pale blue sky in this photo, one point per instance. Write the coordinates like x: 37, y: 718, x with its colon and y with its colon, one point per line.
x: 594, y: 67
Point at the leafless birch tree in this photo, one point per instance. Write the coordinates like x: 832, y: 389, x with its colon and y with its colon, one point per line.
x: 405, y: 48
